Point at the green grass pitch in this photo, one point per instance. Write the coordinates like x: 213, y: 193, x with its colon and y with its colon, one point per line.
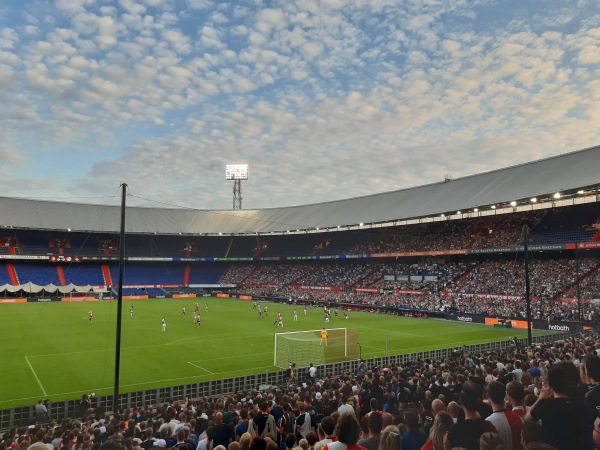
x: 52, y: 350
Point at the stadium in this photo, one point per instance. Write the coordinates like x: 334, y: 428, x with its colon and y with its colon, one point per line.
x: 447, y: 260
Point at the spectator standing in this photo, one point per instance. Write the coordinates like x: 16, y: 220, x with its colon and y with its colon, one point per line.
x: 414, y: 438
x: 222, y: 433
x: 286, y: 424
x: 561, y: 421
x: 390, y: 438
x: 506, y: 423
x: 531, y: 435
x: 277, y: 409
x: 347, y: 431
x: 518, y: 372
x: 466, y: 433
x: 326, y: 430
x: 312, y: 373
x: 346, y: 407
x: 590, y: 375
x: 442, y: 424
x: 490, y: 441
x: 260, y: 419
x: 375, y: 425
x: 515, y: 395
x: 231, y: 415
x: 243, y: 425
x: 41, y: 412
x: 303, y: 423
x: 149, y: 440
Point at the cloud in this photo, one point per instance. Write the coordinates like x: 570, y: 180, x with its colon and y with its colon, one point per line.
x: 325, y: 99
x: 200, y: 4
x: 9, y: 155
x: 72, y: 6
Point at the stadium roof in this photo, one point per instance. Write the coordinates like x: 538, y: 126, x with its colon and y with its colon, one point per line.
x: 567, y: 174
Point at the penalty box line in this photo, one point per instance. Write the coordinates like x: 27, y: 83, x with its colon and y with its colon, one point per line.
x: 200, y: 367
x: 36, y: 377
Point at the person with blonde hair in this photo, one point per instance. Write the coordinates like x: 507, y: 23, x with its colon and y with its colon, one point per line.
x: 245, y: 441
x: 442, y: 424
x: 490, y: 441
x: 390, y: 438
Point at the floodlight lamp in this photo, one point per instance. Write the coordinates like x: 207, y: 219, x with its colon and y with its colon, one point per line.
x: 458, y: 212
x: 338, y: 226
x: 580, y: 192
x: 476, y: 210
x: 533, y: 200
x: 442, y: 215
x: 317, y: 228
x: 493, y: 206
x: 236, y: 171
x: 220, y: 234
x: 361, y: 224
x: 557, y: 195
x: 68, y: 229
x: 513, y: 203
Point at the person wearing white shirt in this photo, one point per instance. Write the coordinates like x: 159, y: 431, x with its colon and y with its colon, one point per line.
x: 518, y: 372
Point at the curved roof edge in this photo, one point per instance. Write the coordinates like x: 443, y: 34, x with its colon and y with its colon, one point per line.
x: 565, y: 173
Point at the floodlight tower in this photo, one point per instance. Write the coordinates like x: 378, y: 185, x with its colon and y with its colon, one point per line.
x: 237, y: 173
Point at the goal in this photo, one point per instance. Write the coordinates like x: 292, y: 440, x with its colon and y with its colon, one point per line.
x: 302, y: 347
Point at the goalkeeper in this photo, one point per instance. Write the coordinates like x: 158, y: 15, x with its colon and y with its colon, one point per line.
x: 324, y: 337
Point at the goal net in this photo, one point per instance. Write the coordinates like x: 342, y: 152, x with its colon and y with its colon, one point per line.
x: 305, y: 347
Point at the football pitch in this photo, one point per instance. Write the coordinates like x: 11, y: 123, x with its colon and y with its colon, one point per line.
x: 52, y: 350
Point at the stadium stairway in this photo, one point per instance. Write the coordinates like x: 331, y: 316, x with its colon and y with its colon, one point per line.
x: 61, y: 275
x: 464, y: 275
x: 571, y: 290
x: 376, y: 271
x: 186, y: 275
x: 596, y: 225
x: 252, y: 272
x: 228, y: 248
x: 106, y: 274
x: 12, y: 273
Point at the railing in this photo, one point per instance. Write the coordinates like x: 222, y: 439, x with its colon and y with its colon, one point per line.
x: 21, y: 416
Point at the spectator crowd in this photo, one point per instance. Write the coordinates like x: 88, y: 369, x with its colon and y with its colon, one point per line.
x: 544, y: 396
x: 491, y: 288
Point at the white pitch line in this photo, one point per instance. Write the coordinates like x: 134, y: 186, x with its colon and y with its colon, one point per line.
x: 36, y: 377
x: 109, y: 388
x: 202, y: 368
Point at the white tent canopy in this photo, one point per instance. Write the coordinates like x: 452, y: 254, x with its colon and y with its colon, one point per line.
x: 31, y: 288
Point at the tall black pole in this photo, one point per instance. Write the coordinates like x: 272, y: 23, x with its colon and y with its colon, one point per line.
x: 527, y: 292
x: 120, y: 300
x: 577, y: 280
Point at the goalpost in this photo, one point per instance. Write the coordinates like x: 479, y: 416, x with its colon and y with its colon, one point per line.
x: 303, y: 347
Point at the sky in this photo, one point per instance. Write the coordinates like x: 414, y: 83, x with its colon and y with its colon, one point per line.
x: 323, y: 99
